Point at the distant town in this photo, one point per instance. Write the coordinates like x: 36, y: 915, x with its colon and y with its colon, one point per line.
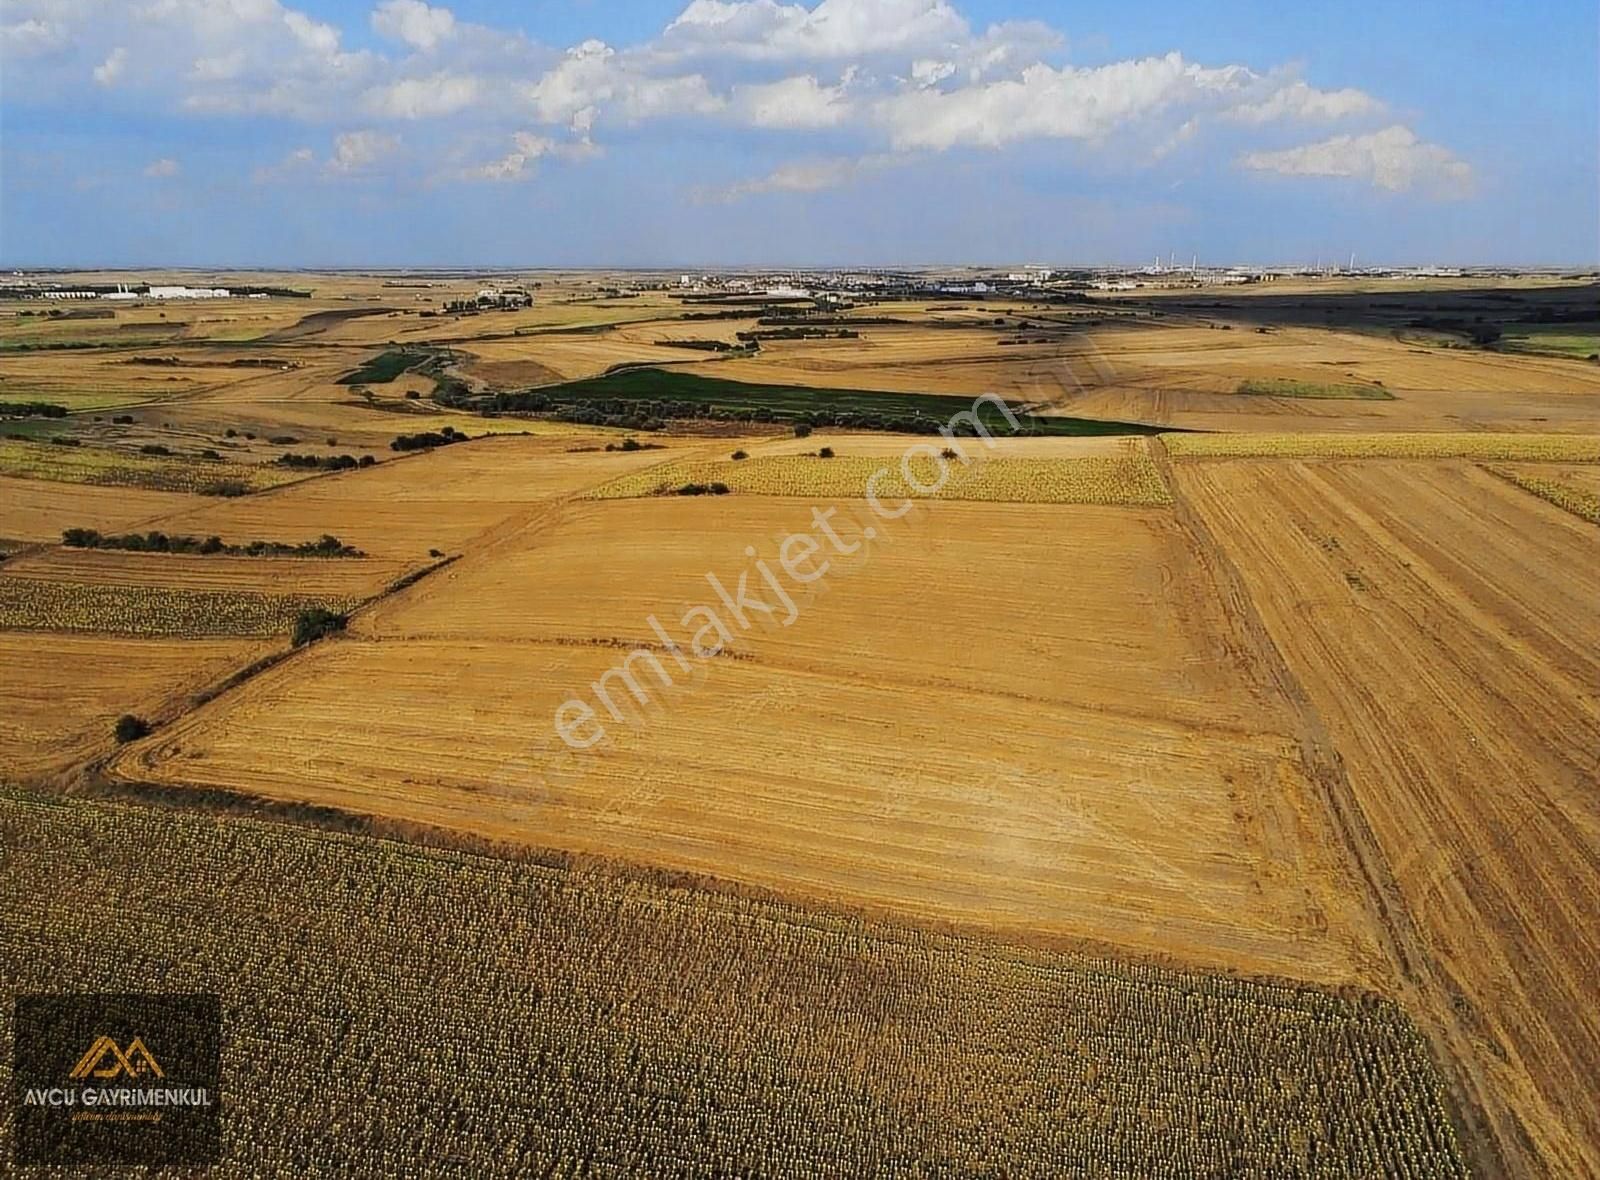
x: 823, y: 285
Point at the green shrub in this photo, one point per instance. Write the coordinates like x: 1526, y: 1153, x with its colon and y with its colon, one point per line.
x: 317, y: 622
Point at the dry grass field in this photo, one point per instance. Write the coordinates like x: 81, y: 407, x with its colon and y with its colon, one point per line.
x: 1445, y: 626
x: 1188, y: 376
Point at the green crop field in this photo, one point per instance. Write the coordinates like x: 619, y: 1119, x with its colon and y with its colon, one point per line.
x: 1282, y: 387
x: 1552, y: 340
x: 676, y: 394
x: 386, y: 366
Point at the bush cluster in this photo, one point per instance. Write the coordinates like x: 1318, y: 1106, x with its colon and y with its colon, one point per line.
x: 317, y: 622
x: 324, y: 462
x: 427, y: 439
x: 158, y: 542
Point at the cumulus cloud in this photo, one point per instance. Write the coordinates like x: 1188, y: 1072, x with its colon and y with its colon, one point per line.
x: 929, y: 71
x: 833, y: 29
x: 1300, y: 101
x: 357, y: 151
x: 166, y: 166
x: 108, y: 71
x: 299, y: 161
x: 875, y: 76
x: 417, y: 24
x: 31, y: 37
x: 1393, y: 159
x: 800, y: 102
x: 319, y: 38
x: 1049, y: 103
x: 433, y: 96
x: 526, y: 150
x: 593, y: 76
x: 219, y: 67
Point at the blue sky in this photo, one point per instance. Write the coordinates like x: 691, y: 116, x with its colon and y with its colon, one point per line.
x: 748, y: 132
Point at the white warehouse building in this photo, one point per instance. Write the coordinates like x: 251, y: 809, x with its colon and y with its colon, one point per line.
x: 188, y: 293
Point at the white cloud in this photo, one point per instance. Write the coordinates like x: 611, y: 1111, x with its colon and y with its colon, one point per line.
x: 415, y: 23
x: 1393, y: 159
x: 833, y: 29
x: 792, y: 103
x: 527, y: 149
x: 319, y: 38
x: 164, y: 167
x: 32, y: 37
x: 895, y: 76
x: 221, y: 67
x: 422, y: 98
x: 1048, y: 103
x: 928, y: 71
x: 354, y: 154
x: 357, y: 151
x: 593, y: 76
x: 108, y: 71
x: 1300, y: 101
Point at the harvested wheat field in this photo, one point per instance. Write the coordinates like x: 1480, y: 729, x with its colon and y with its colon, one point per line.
x: 61, y: 694
x: 566, y: 356
x: 885, y: 445
x: 1445, y: 625
x: 437, y: 499
x: 1191, y: 376
x: 1117, y: 772
x: 1124, y: 799
x: 39, y: 509
x: 1568, y: 448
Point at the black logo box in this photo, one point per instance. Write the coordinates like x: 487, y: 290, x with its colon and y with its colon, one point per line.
x: 53, y: 1033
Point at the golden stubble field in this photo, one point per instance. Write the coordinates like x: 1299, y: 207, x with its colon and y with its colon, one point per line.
x: 143, y: 612
x: 962, y: 728
x: 1445, y: 624
x: 427, y: 500
x: 61, y: 694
